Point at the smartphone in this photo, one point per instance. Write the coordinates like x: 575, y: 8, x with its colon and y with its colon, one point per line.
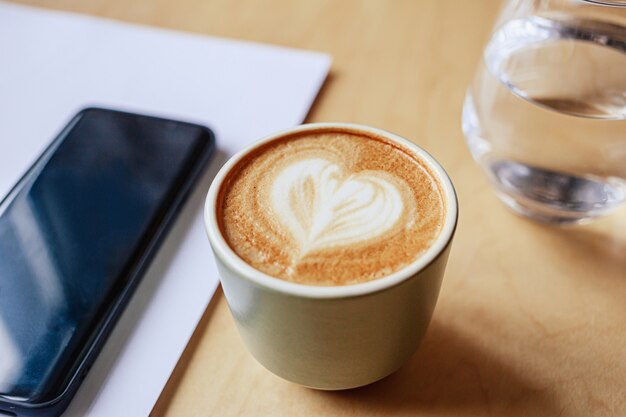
x: 77, y: 232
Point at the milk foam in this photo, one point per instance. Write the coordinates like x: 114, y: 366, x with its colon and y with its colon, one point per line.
x: 322, y: 206
x: 330, y: 208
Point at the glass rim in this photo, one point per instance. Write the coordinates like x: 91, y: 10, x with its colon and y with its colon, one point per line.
x: 610, y: 3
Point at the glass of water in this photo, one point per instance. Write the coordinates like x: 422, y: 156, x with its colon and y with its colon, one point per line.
x: 545, y: 116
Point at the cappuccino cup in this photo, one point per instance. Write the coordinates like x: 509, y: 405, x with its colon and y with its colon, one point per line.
x: 331, y: 241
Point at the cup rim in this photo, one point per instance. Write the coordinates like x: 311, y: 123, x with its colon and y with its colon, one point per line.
x: 223, y: 250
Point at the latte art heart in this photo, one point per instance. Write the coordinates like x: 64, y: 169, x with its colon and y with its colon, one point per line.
x: 323, y: 207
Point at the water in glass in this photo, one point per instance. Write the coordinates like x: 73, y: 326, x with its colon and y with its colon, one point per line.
x: 546, y: 116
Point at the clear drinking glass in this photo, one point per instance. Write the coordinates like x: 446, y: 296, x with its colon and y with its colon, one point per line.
x: 545, y: 116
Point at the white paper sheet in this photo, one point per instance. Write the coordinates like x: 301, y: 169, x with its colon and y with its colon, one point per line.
x: 52, y: 64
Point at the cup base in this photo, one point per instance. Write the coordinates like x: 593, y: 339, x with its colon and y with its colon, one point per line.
x: 341, y: 386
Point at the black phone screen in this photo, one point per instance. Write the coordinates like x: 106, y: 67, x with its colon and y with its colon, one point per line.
x: 73, y: 234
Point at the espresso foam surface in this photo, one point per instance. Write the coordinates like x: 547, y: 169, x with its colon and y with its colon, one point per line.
x: 330, y: 208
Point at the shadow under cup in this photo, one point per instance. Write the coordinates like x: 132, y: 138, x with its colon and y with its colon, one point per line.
x: 333, y: 337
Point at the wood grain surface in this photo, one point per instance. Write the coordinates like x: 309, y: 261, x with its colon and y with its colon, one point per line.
x: 531, y: 320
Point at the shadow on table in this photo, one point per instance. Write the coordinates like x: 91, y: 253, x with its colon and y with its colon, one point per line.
x: 449, y: 374
x: 599, y: 248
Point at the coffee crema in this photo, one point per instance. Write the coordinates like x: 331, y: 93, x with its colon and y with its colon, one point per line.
x: 330, y: 207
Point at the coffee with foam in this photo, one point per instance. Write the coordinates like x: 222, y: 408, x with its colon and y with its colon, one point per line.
x: 330, y: 207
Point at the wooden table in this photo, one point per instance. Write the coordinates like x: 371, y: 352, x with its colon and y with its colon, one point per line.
x: 531, y: 320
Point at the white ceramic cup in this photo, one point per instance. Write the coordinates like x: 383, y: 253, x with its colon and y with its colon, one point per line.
x: 333, y: 337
